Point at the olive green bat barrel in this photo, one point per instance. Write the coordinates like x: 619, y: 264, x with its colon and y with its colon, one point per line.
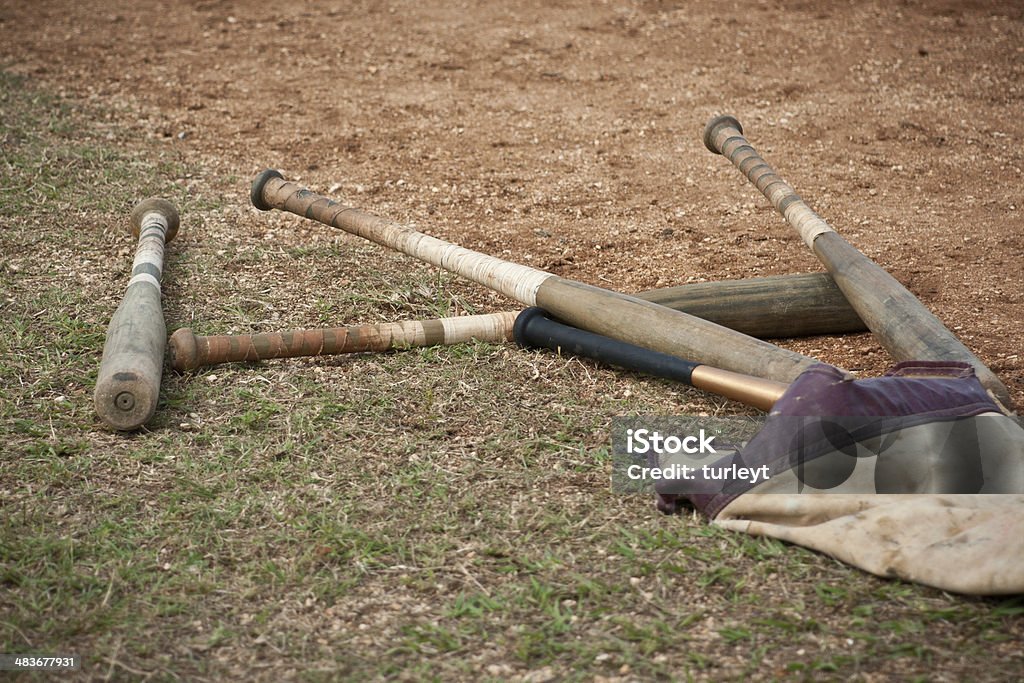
x: 773, y: 307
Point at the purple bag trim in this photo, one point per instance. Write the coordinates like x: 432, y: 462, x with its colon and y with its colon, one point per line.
x: 911, y: 392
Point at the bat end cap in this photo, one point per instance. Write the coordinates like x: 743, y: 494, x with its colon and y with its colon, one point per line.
x: 183, y: 350
x: 714, y: 125
x: 256, y: 193
x: 125, y: 402
x: 160, y: 206
x: 520, y: 331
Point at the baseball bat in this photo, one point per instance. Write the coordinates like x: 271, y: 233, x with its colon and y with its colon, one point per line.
x: 584, y: 306
x: 128, y: 383
x: 189, y: 351
x: 772, y: 307
x: 764, y: 307
x: 902, y: 324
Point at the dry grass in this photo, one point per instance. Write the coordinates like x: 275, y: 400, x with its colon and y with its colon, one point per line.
x: 434, y: 514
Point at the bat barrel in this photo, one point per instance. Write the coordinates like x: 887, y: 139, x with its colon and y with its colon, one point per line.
x: 769, y: 307
x: 902, y: 324
x: 591, y: 308
x: 128, y: 383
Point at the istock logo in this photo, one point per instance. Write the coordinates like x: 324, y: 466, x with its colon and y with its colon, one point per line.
x: 645, y: 441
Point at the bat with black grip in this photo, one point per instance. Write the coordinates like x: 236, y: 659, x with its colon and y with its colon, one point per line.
x: 584, y: 306
x: 902, y: 324
x: 128, y: 384
x: 534, y: 329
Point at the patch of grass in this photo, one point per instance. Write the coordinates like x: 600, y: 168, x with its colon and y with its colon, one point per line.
x: 434, y: 514
x: 54, y: 164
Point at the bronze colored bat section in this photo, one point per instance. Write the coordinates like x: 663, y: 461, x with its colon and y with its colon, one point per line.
x: 590, y: 308
x: 128, y: 384
x: 776, y: 306
x: 752, y: 391
x: 902, y: 324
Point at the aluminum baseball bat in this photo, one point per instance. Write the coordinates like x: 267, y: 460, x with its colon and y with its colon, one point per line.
x: 128, y: 383
x: 534, y: 329
x: 584, y: 306
x: 902, y: 324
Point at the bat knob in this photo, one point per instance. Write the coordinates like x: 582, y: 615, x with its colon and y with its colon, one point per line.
x: 256, y: 193
x: 715, y: 125
x: 524, y: 332
x: 155, y: 205
x: 183, y: 350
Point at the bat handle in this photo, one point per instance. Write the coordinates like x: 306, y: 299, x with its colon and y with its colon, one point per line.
x: 533, y: 329
x: 189, y: 351
x: 128, y: 383
x: 724, y: 135
x: 271, y: 191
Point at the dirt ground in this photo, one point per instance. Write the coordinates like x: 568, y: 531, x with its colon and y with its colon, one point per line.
x: 568, y: 136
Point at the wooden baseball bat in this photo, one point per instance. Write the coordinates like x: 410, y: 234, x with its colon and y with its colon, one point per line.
x: 772, y: 307
x: 902, y: 324
x: 189, y: 351
x: 128, y: 384
x: 764, y: 307
x: 584, y: 306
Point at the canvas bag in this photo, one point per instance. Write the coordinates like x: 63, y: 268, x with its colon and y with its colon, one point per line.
x: 916, y: 475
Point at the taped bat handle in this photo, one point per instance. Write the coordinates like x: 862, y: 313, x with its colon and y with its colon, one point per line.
x: 533, y: 329
x: 189, y: 351
x: 724, y: 135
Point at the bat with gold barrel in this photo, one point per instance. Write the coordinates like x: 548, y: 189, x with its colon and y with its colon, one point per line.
x: 128, y: 383
x: 902, y: 324
x: 587, y: 307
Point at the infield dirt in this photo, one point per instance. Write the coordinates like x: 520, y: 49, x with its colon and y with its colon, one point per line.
x: 568, y: 137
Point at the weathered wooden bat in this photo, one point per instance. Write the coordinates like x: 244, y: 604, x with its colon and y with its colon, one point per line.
x: 764, y: 307
x: 590, y: 308
x: 128, y: 384
x: 772, y: 307
x: 902, y: 324
x: 189, y: 351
